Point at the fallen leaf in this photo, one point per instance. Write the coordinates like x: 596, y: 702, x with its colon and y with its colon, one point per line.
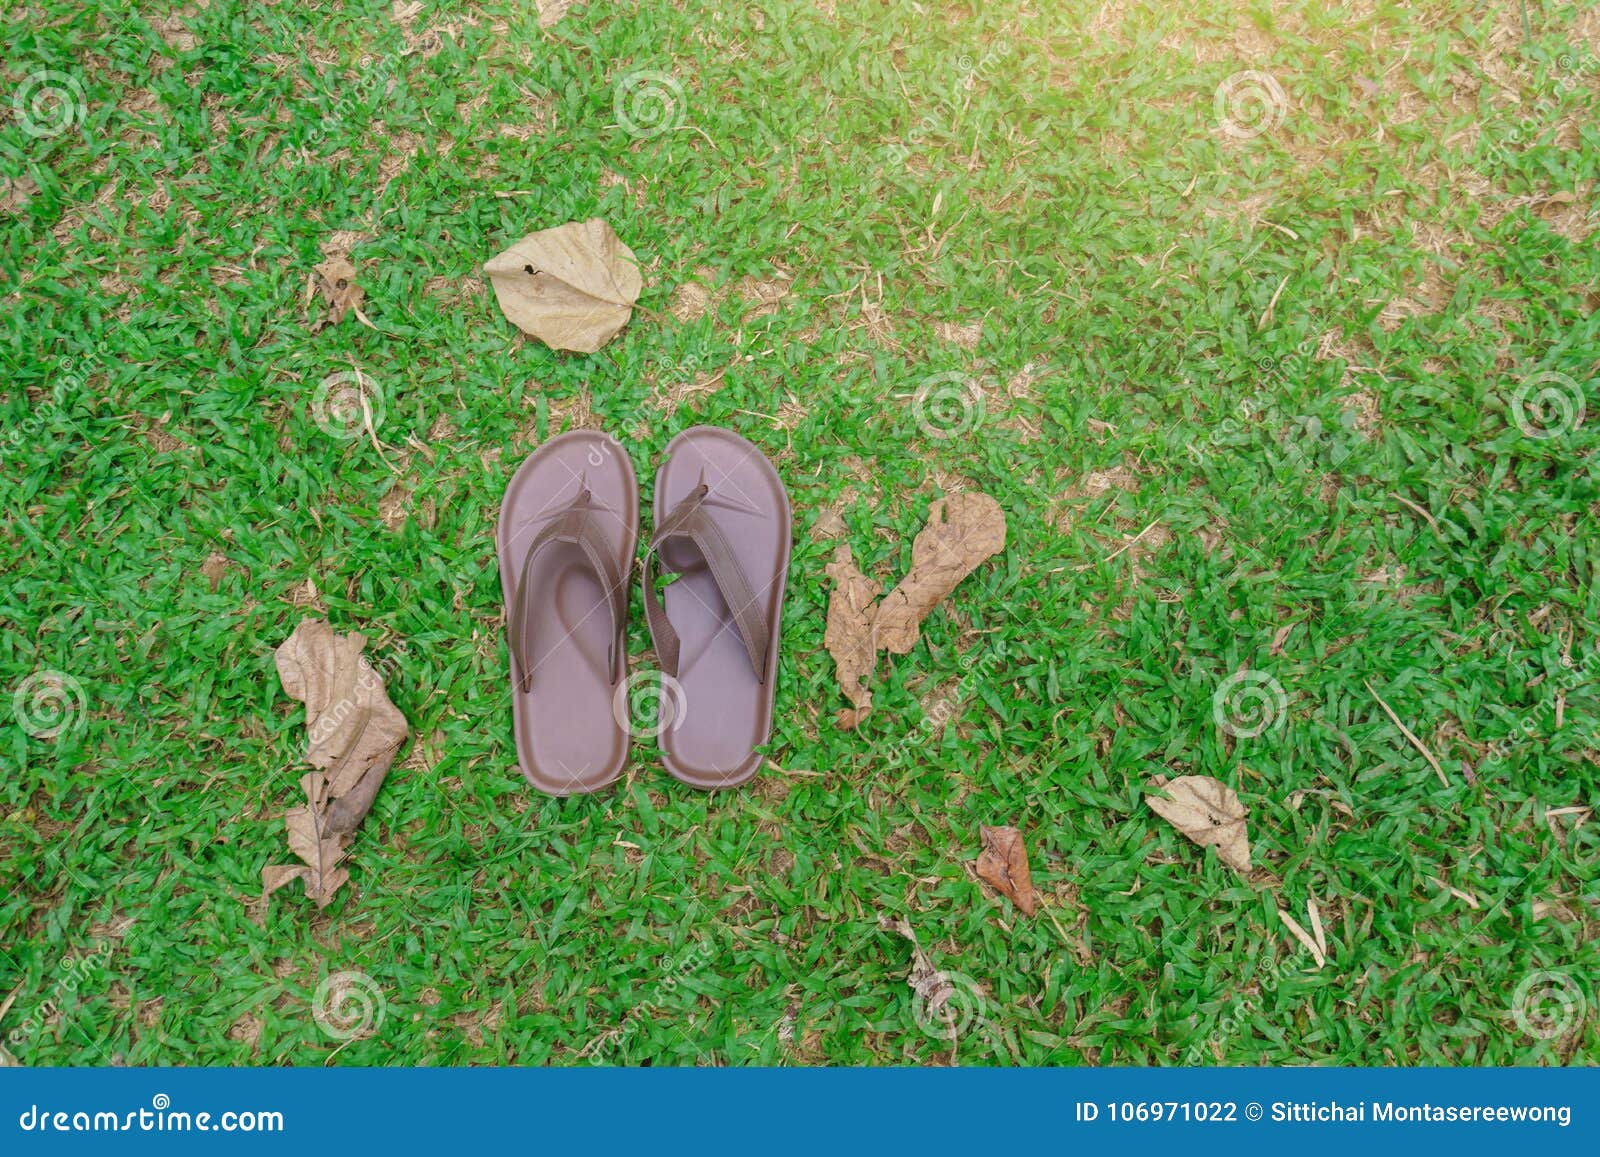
x: 848, y: 634
x: 214, y: 567
x: 1303, y: 936
x: 963, y: 531
x: 1208, y: 812
x: 1003, y: 864
x: 16, y: 192
x: 336, y: 282
x: 932, y: 985
x: 572, y: 287
x: 353, y: 733
x: 551, y: 11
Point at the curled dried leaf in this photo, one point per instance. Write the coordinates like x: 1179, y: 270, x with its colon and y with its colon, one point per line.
x: 963, y: 531
x: 924, y: 979
x: 848, y: 635
x: 353, y: 733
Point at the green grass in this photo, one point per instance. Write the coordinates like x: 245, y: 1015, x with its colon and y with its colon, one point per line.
x: 1298, y: 352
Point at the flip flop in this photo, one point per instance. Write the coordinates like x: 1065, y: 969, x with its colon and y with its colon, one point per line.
x: 568, y: 528
x: 723, y: 525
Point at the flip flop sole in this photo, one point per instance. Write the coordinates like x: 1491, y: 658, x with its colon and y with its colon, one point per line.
x: 569, y: 736
x: 717, y: 714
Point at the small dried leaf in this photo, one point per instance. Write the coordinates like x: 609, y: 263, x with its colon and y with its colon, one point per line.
x: 848, y: 634
x: 1303, y: 936
x: 572, y: 287
x: 551, y: 11
x: 924, y: 979
x: 963, y: 531
x: 214, y: 568
x: 1208, y: 812
x: 1003, y: 864
x: 336, y: 282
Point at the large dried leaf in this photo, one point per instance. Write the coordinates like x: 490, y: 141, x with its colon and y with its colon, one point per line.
x: 1208, y: 812
x: 848, y: 635
x: 1003, y: 864
x: 572, y: 287
x: 353, y: 733
x: 963, y: 531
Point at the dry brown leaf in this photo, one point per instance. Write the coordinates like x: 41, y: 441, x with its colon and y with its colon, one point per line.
x: 16, y: 192
x: 848, y: 635
x: 353, y: 733
x: 336, y: 282
x: 1208, y: 812
x: 572, y: 287
x: 551, y: 11
x: 963, y: 530
x: 1003, y: 864
x: 932, y: 985
x: 214, y: 568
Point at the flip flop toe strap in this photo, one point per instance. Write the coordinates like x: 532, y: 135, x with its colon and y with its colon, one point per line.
x: 576, y: 526
x: 689, y: 519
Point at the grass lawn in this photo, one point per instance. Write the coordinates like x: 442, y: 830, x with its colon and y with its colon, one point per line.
x: 1272, y: 327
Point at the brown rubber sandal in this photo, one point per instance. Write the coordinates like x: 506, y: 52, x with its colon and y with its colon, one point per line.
x: 723, y: 525
x: 569, y: 525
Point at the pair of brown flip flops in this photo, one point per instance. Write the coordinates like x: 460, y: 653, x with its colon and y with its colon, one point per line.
x: 567, y: 535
